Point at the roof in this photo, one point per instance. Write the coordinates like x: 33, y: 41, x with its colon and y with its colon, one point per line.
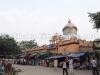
x: 69, y: 24
x: 33, y: 54
x: 43, y: 53
x: 96, y: 40
x: 76, y: 54
x: 56, y: 56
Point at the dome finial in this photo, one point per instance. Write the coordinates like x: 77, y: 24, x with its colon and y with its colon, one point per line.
x: 69, y: 21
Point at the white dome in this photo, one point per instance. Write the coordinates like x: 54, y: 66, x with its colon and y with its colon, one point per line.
x: 69, y: 24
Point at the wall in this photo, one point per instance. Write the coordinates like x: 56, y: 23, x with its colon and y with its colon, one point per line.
x: 85, y: 43
x: 52, y: 51
x: 70, y: 48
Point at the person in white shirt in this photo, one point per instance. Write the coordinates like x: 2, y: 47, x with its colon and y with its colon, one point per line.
x: 71, y: 66
x: 94, y: 66
x: 55, y: 64
x: 65, y: 67
x: 24, y: 61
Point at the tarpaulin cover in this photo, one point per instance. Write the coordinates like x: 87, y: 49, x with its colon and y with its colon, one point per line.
x: 57, y: 56
x: 23, y: 55
x: 32, y: 55
x: 49, y: 46
x: 76, y: 54
x: 47, y: 54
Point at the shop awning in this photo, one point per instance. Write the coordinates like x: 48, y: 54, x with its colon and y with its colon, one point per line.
x: 45, y: 55
x: 23, y: 56
x: 57, y: 56
x: 97, y: 50
x: 76, y: 55
x: 32, y: 55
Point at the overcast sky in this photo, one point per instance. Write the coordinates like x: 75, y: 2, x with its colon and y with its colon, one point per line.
x: 30, y: 19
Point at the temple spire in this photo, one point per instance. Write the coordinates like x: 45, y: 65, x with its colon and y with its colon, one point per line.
x: 69, y: 21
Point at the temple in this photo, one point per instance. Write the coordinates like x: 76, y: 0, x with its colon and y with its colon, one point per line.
x: 67, y: 43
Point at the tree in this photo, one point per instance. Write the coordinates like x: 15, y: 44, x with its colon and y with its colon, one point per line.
x: 28, y: 44
x: 95, y: 19
x: 8, y: 46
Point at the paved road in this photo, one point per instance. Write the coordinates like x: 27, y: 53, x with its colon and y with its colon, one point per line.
x: 40, y: 70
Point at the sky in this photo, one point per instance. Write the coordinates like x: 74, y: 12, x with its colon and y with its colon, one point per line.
x: 41, y: 19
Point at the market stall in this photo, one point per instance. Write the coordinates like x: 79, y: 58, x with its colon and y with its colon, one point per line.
x: 81, y: 60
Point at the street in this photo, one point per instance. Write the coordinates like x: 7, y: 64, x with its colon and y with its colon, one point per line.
x: 40, y: 70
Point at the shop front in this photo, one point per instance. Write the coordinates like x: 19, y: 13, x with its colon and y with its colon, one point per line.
x: 51, y: 59
x: 96, y: 47
x: 88, y: 50
x: 81, y: 60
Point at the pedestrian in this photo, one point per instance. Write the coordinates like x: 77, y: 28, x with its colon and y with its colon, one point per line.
x: 24, y: 61
x: 47, y: 63
x: 67, y: 62
x: 94, y: 67
x: 55, y: 64
x: 32, y: 62
x: 65, y: 67
x: 71, y: 66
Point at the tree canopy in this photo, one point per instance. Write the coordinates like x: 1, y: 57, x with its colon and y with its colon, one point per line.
x: 95, y: 19
x: 28, y: 44
x: 8, y: 46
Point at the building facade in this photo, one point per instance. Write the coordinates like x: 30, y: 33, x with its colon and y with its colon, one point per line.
x: 69, y: 42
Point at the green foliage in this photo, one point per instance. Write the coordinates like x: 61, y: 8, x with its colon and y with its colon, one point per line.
x: 28, y: 44
x: 8, y: 45
x: 95, y: 19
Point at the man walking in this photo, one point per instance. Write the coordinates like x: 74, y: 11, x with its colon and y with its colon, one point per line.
x: 94, y: 66
x: 65, y: 67
x: 71, y: 66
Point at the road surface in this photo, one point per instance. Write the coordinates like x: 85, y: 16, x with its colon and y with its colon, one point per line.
x: 40, y: 70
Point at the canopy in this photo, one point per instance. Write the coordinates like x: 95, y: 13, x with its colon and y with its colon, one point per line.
x: 49, y: 46
x: 45, y: 55
x: 56, y: 56
x: 32, y: 55
x: 76, y: 54
x: 23, y: 56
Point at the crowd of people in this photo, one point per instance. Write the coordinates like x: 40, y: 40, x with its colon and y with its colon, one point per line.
x: 23, y: 61
x: 5, y: 66
x: 65, y: 64
x: 69, y: 64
